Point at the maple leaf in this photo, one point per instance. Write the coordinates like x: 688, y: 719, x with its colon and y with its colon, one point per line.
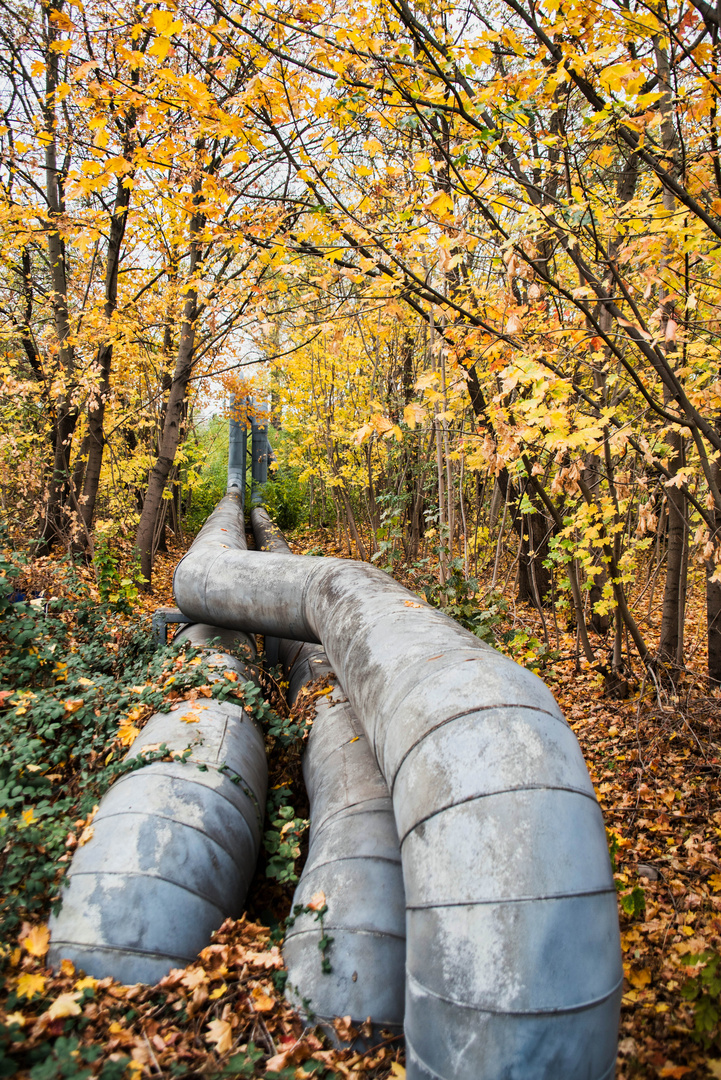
x: 639, y: 977
x: 127, y: 734
x: 194, y: 977
x: 261, y: 1001
x: 220, y: 1032
x: 37, y: 940
x: 190, y: 718
x: 29, y: 985
x: 65, y: 1005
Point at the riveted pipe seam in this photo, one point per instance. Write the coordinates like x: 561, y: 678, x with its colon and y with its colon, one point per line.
x: 230, y: 852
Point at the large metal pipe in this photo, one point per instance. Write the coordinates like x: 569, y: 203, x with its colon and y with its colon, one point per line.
x: 237, y: 448
x: 260, y: 451
x: 353, y: 859
x: 513, y: 954
x: 174, y: 844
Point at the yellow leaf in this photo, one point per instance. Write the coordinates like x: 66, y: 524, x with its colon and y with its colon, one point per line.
x: 37, y: 68
x: 67, y: 968
x: 29, y: 985
x: 37, y: 941
x: 411, y: 603
x: 715, y: 882
x: 73, y: 704
x: 190, y: 718
x: 65, y: 1005
x: 164, y: 22
x: 218, y: 992
x: 261, y: 1001
x: 397, y: 1070
x: 28, y: 817
x: 441, y: 204
x: 414, y: 414
x: 639, y: 977
x: 221, y: 1033
x: 160, y: 48
x: 15, y: 1018
x: 127, y: 733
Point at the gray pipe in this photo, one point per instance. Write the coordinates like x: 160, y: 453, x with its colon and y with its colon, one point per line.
x: 259, y: 451
x: 513, y: 957
x: 353, y: 858
x: 237, y: 451
x: 174, y: 845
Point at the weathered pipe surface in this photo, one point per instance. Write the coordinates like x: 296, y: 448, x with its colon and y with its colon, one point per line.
x: 513, y: 955
x: 354, y: 858
x: 260, y: 452
x: 237, y: 450
x: 174, y: 845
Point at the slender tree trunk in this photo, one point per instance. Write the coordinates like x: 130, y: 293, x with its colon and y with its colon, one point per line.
x: 713, y: 593
x: 172, y: 424
x: 96, y: 414
x: 674, y: 595
x: 56, y: 522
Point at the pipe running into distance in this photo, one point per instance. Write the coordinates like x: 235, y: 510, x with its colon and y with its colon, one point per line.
x: 353, y: 859
x: 513, y: 956
x: 237, y: 448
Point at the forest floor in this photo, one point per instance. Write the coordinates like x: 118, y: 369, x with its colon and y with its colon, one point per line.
x: 655, y: 761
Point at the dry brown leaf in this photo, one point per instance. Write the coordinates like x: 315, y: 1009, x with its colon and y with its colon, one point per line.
x: 65, y: 1005
x: 220, y: 1032
x: 193, y: 977
x: 261, y: 1001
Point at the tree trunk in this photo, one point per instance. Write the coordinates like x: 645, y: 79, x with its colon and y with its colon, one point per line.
x: 674, y: 595
x: 172, y: 423
x: 56, y: 524
x: 673, y: 610
x: 713, y: 592
x: 96, y: 414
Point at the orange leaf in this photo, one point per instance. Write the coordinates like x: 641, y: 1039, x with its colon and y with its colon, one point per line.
x: 261, y: 1001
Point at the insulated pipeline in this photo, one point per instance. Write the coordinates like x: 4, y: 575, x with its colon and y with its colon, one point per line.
x: 174, y: 844
x: 513, y: 956
x: 353, y: 858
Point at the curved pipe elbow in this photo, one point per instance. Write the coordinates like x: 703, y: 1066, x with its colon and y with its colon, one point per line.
x: 513, y: 952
